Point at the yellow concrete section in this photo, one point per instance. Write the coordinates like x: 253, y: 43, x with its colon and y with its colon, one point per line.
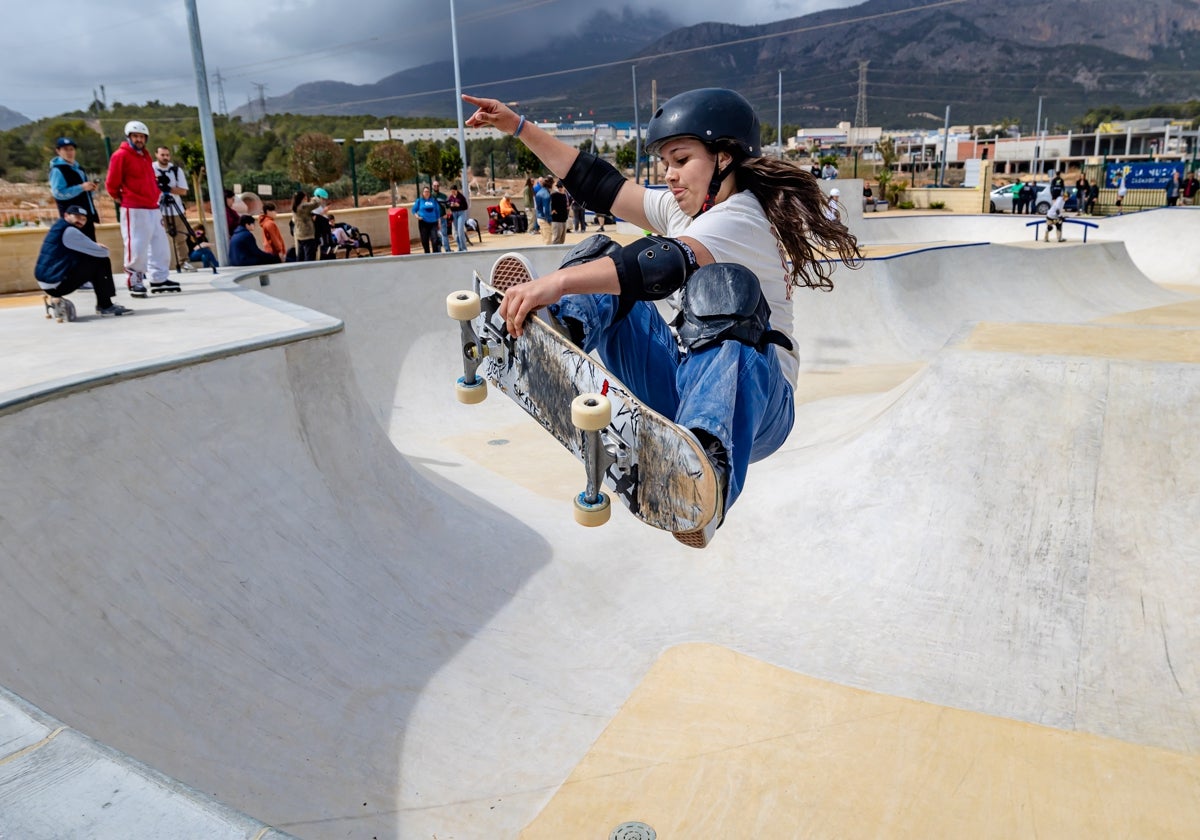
x: 1185, y: 314
x: 853, y: 379
x: 714, y: 744
x: 1150, y: 345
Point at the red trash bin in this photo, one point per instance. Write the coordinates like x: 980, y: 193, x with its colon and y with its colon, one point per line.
x: 398, y: 229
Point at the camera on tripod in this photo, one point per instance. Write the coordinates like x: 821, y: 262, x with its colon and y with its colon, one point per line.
x: 164, y: 182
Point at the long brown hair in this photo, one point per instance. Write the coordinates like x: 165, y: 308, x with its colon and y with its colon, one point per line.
x: 796, y: 209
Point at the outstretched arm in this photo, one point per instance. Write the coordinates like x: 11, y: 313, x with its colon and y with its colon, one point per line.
x: 557, y: 155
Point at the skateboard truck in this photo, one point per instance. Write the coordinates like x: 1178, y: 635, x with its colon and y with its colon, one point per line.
x: 591, y: 414
x: 471, y: 388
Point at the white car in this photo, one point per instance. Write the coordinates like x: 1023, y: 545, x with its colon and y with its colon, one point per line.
x: 1001, y: 201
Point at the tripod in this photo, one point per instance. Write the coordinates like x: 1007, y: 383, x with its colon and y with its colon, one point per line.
x: 172, y: 218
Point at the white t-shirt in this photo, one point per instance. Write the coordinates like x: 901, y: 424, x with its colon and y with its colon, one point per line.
x: 174, y: 173
x: 735, y: 231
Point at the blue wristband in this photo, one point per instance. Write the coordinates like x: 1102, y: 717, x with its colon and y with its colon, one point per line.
x: 520, y: 125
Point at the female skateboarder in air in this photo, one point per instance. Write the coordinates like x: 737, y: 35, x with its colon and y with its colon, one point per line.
x: 736, y: 233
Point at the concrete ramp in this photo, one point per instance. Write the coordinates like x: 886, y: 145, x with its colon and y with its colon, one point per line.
x: 1162, y: 243
x: 907, y: 305
x: 306, y: 581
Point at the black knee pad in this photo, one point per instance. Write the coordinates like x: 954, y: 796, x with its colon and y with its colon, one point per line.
x: 723, y: 302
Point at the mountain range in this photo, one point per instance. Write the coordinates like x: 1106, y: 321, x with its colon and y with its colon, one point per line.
x: 11, y: 119
x: 987, y: 61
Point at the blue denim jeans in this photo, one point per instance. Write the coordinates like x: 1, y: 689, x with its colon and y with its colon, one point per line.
x: 732, y: 391
x: 460, y: 230
x: 206, y: 257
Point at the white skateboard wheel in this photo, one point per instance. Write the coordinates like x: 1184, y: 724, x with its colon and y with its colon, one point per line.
x: 462, y: 306
x: 591, y: 412
x: 592, y: 515
x: 471, y: 393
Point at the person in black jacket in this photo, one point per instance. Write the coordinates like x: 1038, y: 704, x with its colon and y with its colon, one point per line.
x: 243, y: 248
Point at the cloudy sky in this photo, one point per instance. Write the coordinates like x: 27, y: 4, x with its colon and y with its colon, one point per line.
x: 139, y: 50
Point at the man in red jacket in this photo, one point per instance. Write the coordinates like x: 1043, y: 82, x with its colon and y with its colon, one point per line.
x: 134, y: 186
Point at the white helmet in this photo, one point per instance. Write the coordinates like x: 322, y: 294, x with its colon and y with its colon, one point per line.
x: 835, y: 192
x: 135, y: 127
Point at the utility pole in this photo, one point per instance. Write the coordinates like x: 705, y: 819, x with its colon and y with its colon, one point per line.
x: 653, y: 110
x: 221, y: 109
x: 637, y: 124
x: 462, y: 142
x: 860, y: 112
x: 779, y: 116
x: 262, y: 101
x: 1037, y: 145
x: 212, y: 163
x: 945, y: 149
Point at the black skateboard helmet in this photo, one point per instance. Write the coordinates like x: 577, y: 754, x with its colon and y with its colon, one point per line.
x: 708, y: 114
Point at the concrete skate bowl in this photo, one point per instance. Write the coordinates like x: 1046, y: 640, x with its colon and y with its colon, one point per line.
x: 337, y: 632
x: 1162, y: 243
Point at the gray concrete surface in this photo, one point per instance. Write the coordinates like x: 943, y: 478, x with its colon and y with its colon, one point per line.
x: 303, y: 579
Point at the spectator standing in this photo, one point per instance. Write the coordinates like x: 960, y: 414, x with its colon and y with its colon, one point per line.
x: 272, y: 238
x: 203, y: 252
x: 71, y: 186
x: 1082, y: 188
x: 1058, y: 186
x: 541, y: 201
x: 444, y: 222
x: 232, y: 216
x: 243, y: 247
x: 1174, y: 188
x: 1092, y: 197
x: 173, y: 183
x: 458, y: 204
x: 303, y: 230
x: 1028, y: 191
x: 133, y: 185
x: 1015, y: 192
x: 559, y: 213
x: 69, y: 259
x: 579, y: 223
x: 1121, y: 195
x: 527, y: 197
x: 429, y: 217
x: 1191, y: 186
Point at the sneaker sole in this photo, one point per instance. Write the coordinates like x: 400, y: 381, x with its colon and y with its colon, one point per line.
x: 510, y: 270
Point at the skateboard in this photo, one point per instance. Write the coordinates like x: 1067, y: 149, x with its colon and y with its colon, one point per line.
x: 63, y: 310
x: 657, y: 469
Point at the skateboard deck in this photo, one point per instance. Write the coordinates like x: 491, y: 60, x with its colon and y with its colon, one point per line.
x: 657, y: 469
x: 63, y: 310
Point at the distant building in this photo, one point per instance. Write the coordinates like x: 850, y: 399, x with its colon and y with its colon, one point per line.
x: 572, y: 133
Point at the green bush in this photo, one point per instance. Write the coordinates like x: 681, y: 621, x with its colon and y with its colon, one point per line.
x: 906, y: 205
x: 937, y: 205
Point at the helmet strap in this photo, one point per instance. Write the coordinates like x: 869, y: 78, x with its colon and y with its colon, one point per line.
x: 714, y: 186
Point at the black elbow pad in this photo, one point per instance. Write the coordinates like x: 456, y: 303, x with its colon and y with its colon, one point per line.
x: 651, y: 269
x: 594, y: 182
